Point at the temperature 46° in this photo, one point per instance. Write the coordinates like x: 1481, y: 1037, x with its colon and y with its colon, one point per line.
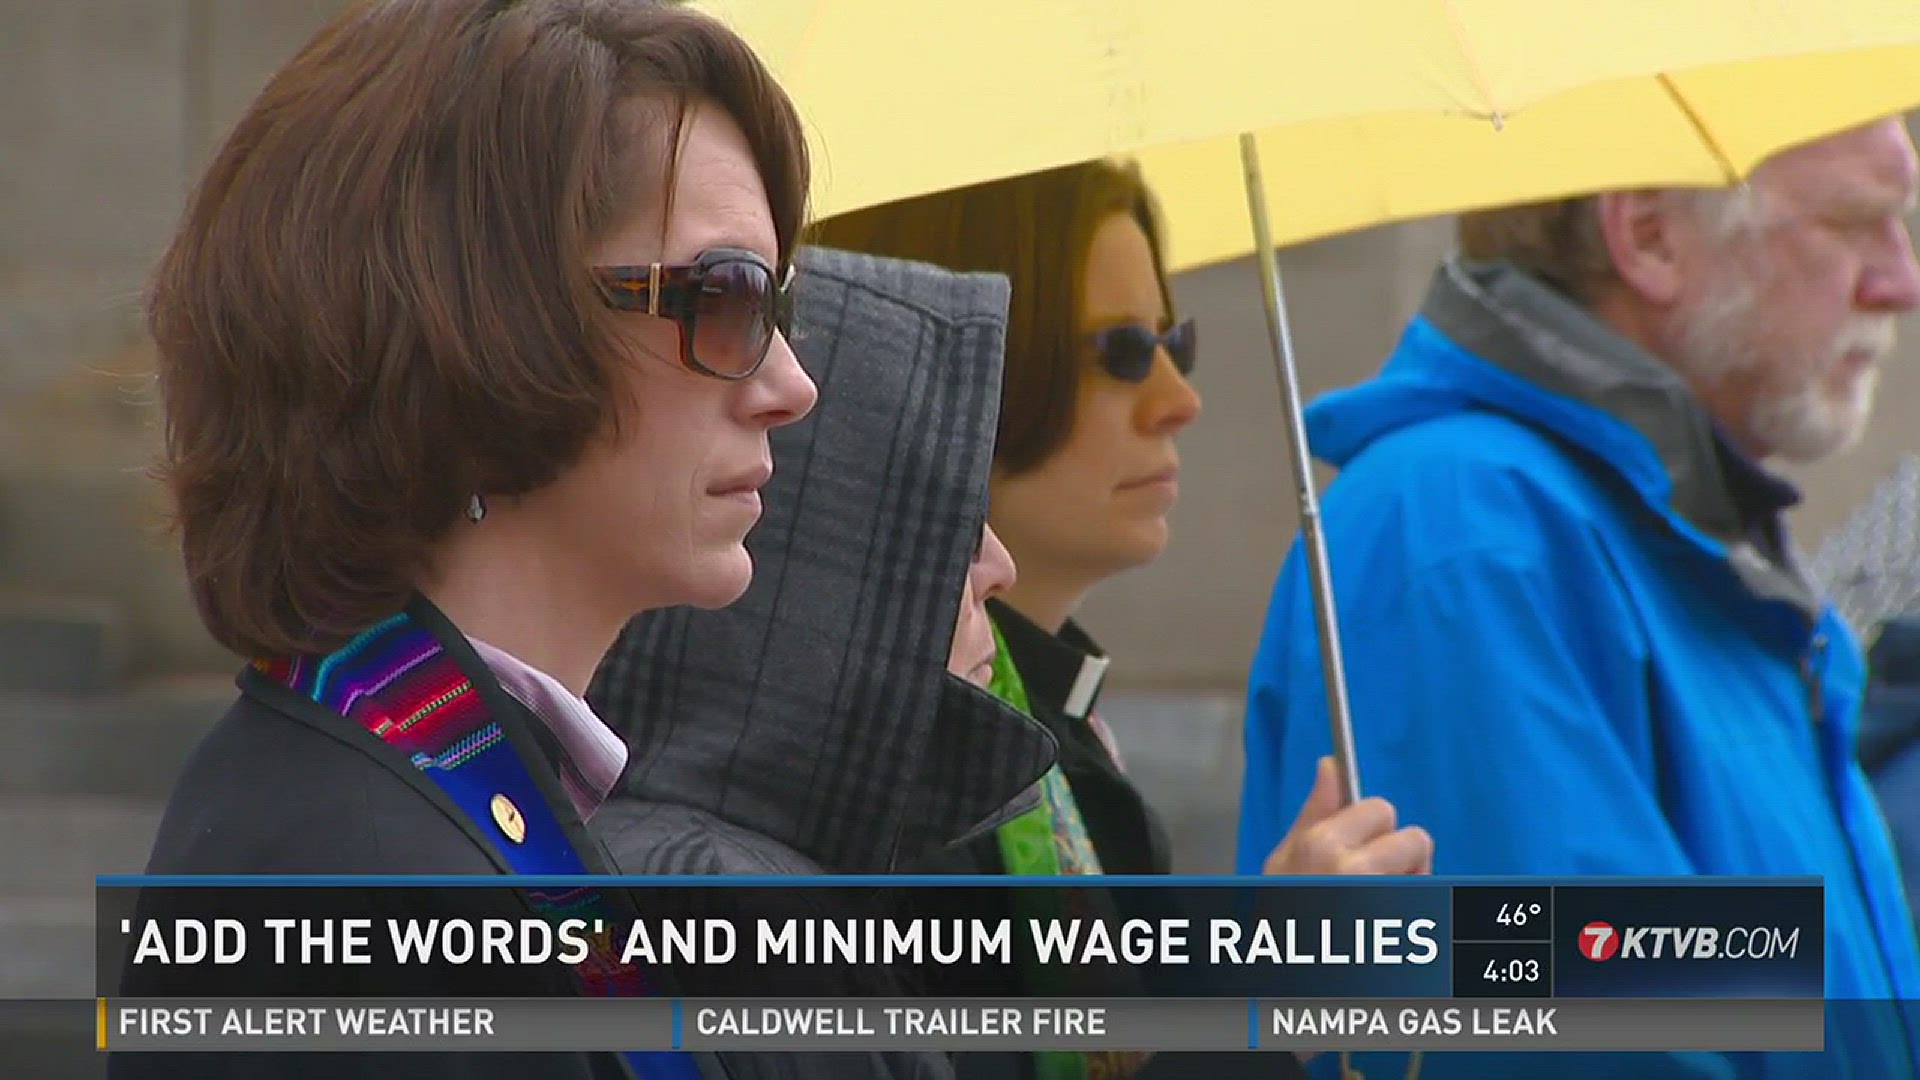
x: 1517, y: 914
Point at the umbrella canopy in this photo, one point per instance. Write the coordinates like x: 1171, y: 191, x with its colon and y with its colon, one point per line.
x: 1706, y: 126
x: 1368, y: 110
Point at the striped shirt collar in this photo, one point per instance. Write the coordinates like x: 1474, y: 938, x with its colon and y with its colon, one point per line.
x: 592, y: 756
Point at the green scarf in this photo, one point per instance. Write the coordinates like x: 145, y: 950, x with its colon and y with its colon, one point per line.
x: 1033, y: 845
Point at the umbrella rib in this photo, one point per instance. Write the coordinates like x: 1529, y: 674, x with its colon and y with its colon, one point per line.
x: 1475, y: 70
x: 1699, y: 126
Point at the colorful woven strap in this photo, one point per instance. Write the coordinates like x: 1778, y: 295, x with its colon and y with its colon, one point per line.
x: 397, y: 681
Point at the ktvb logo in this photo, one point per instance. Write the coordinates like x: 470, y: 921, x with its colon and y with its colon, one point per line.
x: 1600, y: 941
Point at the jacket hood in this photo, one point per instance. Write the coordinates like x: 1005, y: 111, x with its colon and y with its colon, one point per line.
x: 1491, y: 338
x: 817, y: 710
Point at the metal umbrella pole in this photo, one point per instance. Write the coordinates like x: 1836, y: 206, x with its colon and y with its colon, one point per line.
x: 1325, y: 617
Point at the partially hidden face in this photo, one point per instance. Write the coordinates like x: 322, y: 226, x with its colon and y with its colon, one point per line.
x: 1792, y: 311
x: 1099, y: 503
x: 991, y: 573
x: 658, y: 508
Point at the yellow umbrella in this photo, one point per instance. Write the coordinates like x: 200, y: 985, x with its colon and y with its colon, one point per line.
x: 903, y: 97
x: 1375, y: 110
x: 1707, y: 126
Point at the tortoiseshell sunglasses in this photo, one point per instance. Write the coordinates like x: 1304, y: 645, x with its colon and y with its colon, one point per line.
x: 725, y: 303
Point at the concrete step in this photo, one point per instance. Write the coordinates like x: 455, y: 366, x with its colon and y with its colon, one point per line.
x: 74, y: 529
x: 53, y: 851
x: 81, y: 516
x: 44, y: 1040
x: 62, y: 643
x: 54, y: 324
x: 49, y: 946
x: 126, y: 744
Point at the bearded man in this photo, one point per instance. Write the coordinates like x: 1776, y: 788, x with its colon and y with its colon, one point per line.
x: 1579, y: 641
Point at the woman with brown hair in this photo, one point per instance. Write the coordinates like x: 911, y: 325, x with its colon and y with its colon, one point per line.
x: 1085, y: 471
x: 470, y: 344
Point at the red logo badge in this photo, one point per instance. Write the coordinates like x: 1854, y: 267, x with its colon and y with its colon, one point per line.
x: 1599, y: 941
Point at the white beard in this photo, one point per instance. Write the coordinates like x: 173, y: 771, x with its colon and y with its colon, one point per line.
x: 1799, y: 413
x: 1816, y: 421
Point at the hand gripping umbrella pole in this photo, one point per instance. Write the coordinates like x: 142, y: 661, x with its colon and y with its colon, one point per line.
x: 1312, y: 538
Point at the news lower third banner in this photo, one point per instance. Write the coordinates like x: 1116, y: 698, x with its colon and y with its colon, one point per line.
x: 958, y: 964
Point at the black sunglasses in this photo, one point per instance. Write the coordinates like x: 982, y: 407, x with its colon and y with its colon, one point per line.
x: 725, y: 302
x: 1126, y: 352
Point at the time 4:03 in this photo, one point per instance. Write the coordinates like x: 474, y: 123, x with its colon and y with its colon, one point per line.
x: 1512, y: 971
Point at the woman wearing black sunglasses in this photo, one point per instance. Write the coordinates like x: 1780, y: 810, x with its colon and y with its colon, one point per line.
x: 1085, y: 472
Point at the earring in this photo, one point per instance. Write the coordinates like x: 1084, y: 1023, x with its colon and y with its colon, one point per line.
x: 476, y: 509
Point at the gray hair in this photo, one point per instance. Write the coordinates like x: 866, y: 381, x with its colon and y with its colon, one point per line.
x: 1729, y: 213
x: 1560, y: 241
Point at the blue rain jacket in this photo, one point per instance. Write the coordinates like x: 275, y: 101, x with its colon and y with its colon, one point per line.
x: 1556, y: 673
